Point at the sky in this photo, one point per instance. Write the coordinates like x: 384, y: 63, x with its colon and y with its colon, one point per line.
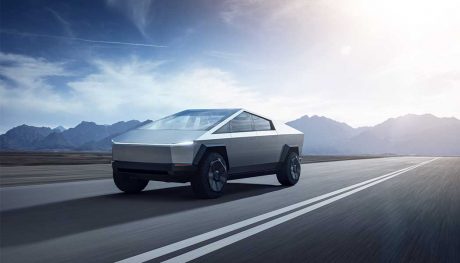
x: 355, y: 61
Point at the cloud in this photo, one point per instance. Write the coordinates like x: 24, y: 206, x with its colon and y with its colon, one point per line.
x: 25, y: 93
x: 28, y: 72
x: 132, y: 89
x: 345, y: 50
x: 356, y: 61
x: 139, y: 12
x: 234, y: 9
x: 269, y: 13
x: 136, y: 87
x: 224, y: 55
x: 140, y: 88
x: 122, y: 90
x: 64, y: 23
x: 366, y: 60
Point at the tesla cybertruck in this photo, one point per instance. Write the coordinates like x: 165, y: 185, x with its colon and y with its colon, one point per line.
x: 206, y: 147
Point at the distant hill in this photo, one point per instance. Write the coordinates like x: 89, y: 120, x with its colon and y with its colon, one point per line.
x: 105, y: 144
x: 323, y: 135
x: 23, y: 137
x: 86, y: 136
x: 409, y: 134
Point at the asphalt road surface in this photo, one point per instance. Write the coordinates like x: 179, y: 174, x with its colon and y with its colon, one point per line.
x: 42, y: 174
x: 23, y: 168
x: 401, y: 209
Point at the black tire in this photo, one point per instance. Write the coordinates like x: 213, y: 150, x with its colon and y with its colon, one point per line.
x: 129, y: 184
x: 290, y: 170
x: 211, y: 177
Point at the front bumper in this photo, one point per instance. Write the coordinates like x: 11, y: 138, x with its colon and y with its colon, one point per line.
x: 162, y: 154
x: 165, y: 172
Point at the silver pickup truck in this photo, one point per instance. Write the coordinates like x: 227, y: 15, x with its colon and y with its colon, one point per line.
x: 206, y: 147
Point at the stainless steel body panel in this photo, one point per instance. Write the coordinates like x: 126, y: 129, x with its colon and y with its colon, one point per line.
x: 269, y: 146
x: 244, y: 149
x: 288, y: 135
x: 157, y: 137
x: 248, y: 148
x: 141, y: 153
x: 182, y: 154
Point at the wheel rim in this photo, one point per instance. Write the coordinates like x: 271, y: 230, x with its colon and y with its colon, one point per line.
x: 295, y: 167
x: 217, y: 175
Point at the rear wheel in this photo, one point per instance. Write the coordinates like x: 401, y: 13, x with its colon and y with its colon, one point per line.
x: 129, y: 184
x: 211, y: 178
x: 290, y: 170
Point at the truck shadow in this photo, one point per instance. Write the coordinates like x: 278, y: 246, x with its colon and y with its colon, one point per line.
x: 43, y: 222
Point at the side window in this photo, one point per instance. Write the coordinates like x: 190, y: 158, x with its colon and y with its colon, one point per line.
x: 223, y: 129
x: 261, y: 124
x: 241, y: 123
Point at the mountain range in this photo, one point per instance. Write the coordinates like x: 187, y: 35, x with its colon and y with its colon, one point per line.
x: 407, y: 135
x: 86, y: 136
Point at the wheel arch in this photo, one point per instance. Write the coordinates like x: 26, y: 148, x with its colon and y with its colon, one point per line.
x: 205, y: 149
x: 286, y: 150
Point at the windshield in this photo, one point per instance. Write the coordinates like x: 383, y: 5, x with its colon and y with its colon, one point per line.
x: 193, y: 120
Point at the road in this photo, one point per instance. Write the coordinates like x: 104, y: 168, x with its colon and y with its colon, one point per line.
x: 22, y: 168
x: 42, y: 174
x: 399, y: 209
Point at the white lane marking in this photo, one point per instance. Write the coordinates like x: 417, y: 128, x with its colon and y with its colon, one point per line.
x: 201, y: 251
x: 158, y: 252
x: 254, y: 230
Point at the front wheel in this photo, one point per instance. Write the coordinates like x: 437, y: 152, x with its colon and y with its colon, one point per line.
x: 211, y: 178
x: 290, y: 170
x: 129, y: 184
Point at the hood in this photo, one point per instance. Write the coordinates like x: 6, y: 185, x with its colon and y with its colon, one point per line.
x: 147, y: 136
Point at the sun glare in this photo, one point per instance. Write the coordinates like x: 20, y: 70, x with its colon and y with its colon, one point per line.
x: 411, y: 15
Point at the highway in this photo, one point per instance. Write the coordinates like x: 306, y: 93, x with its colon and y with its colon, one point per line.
x: 398, y: 209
